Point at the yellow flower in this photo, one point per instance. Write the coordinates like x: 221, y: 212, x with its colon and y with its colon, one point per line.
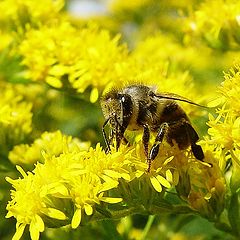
x: 21, y: 12
x: 56, y: 52
x: 29, y: 204
x: 15, y: 116
x: 86, y: 191
x: 224, y: 128
x: 6, y: 39
x: 208, y: 187
x: 86, y: 177
x: 52, y: 143
x: 109, y: 166
x: 221, y: 29
x: 60, y: 177
x: 230, y: 89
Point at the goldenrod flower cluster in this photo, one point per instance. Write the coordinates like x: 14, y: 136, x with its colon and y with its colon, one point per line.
x: 63, y: 55
x: 20, y: 13
x: 83, y: 178
x: 55, y: 171
x: 15, y: 118
x: 221, y: 30
x: 60, y: 179
x: 51, y: 143
x: 225, y: 126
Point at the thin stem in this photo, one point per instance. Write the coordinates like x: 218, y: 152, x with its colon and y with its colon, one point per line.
x: 117, y: 214
x: 147, y: 227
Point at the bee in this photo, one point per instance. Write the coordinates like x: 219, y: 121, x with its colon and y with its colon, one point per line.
x: 139, y: 107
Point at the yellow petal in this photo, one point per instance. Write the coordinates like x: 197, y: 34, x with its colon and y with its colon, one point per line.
x: 112, y: 173
x: 94, y: 95
x: 20, y: 169
x: 163, y: 181
x: 88, y: 209
x: 19, y: 231
x: 111, y: 200
x: 215, y: 102
x: 175, y: 177
x: 8, y: 179
x: 54, y: 213
x: 156, y: 184
x: 139, y: 173
x: 58, y: 70
x: 9, y: 214
x: 53, y: 81
x: 34, y: 231
x: 58, y: 190
x: 39, y: 223
x: 169, y: 176
x: 168, y: 160
x: 76, y: 218
x: 108, y: 185
x: 126, y: 176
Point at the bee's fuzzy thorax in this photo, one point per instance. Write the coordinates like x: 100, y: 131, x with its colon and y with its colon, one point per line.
x: 137, y: 106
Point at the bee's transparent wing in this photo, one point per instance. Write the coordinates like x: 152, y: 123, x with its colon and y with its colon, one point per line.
x: 173, y: 96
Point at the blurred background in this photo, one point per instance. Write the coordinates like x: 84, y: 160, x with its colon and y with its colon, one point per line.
x: 179, y: 46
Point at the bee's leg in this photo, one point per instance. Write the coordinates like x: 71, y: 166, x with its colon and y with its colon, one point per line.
x: 145, y: 138
x: 158, y: 140
x: 196, y: 149
x: 119, y: 131
x: 111, y: 136
x: 125, y: 140
x: 119, y: 136
x: 105, y: 136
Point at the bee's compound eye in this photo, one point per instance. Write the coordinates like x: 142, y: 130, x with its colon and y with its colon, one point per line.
x: 121, y: 98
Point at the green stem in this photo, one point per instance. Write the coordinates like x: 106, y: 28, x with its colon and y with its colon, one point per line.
x: 147, y: 227
x: 117, y: 214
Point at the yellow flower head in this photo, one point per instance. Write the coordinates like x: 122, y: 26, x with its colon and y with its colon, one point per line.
x: 224, y: 128
x: 218, y: 27
x: 52, y: 143
x: 230, y: 89
x: 208, y: 188
x: 63, y: 55
x: 86, y: 191
x: 29, y: 204
x: 21, y: 12
x: 6, y: 39
x: 15, y: 116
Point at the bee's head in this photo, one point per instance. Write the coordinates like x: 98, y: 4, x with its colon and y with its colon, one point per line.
x: 111, y: 104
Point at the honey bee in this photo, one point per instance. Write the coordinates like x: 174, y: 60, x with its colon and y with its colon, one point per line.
x: 139, y: 107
